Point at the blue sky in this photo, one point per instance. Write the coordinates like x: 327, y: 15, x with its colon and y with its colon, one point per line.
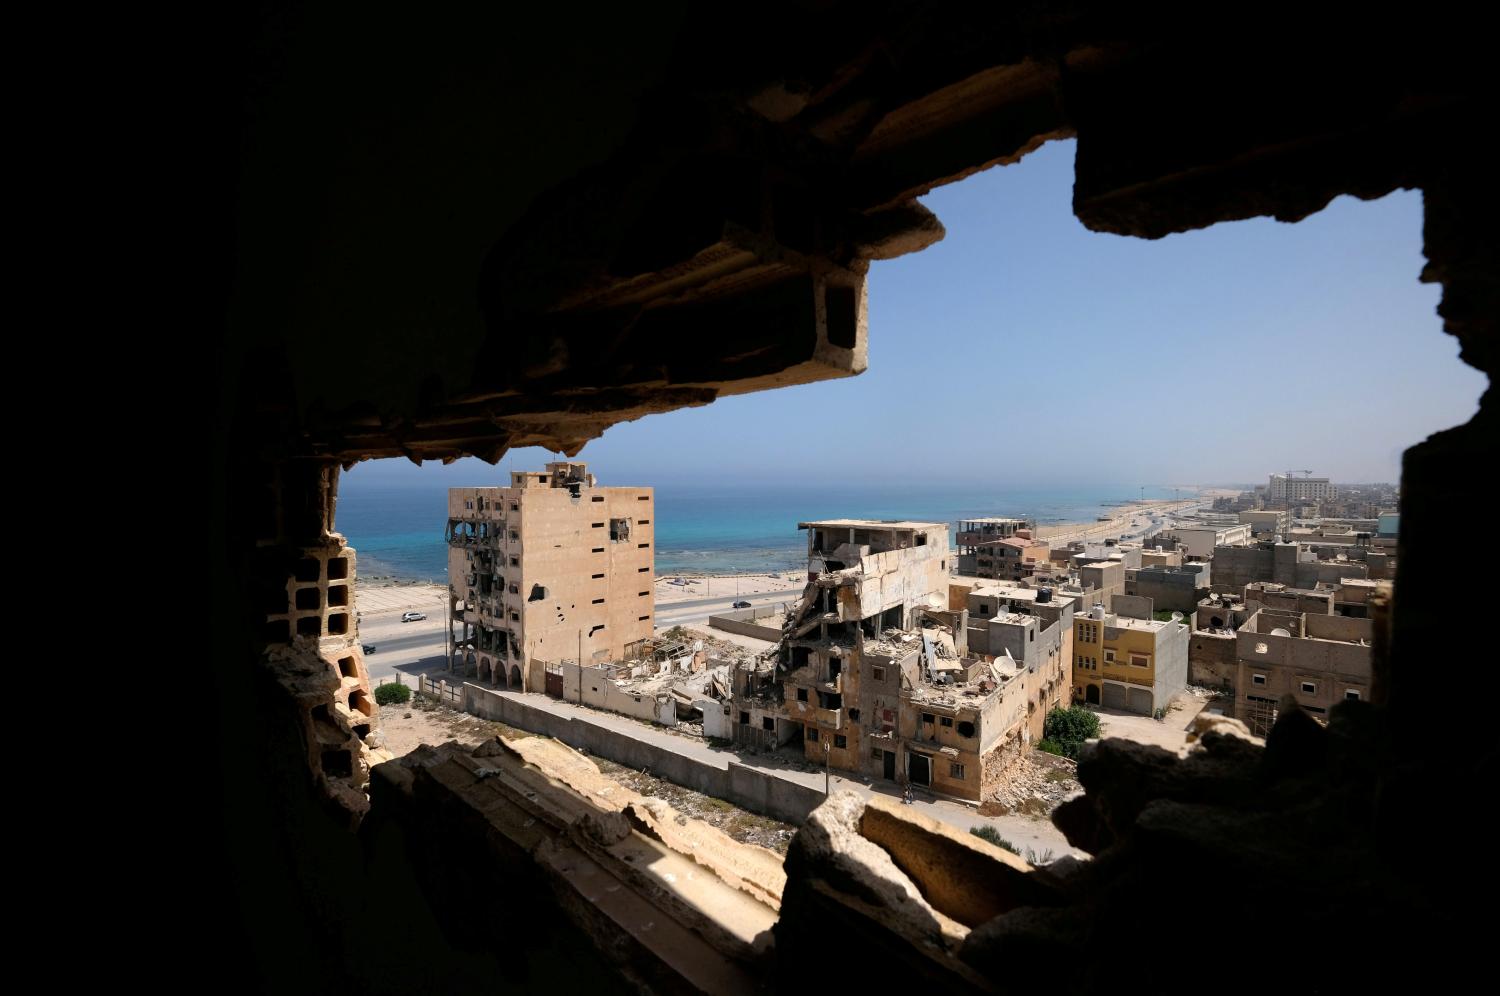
x: 1024, y: 350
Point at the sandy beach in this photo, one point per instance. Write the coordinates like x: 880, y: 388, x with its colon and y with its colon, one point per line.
x: 723, y: 585
x: 1121, y: 516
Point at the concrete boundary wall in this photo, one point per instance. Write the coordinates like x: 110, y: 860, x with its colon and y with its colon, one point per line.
x: 746, y: 627
x: 743, y: 622
x: 765, y: 792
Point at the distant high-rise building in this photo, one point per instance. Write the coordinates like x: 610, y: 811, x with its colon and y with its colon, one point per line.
x: 1294, y: 490
x: 551, y: 568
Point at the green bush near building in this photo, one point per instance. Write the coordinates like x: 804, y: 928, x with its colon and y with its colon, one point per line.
x: 392, y: 693
x: 992, y: 835
x: 1068, y: 729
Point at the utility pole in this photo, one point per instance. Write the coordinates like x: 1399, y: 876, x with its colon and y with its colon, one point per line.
x: 580, y: 666
x: 827, y: 753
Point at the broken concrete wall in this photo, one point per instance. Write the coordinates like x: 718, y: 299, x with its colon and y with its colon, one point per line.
x: 1213, y: 660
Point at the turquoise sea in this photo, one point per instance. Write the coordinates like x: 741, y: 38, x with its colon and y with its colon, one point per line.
x: 398, y: 528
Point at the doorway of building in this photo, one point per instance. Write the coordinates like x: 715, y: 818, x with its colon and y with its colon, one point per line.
x: 919, y: 768
x: 890, y: 765
x: 1091, y: 695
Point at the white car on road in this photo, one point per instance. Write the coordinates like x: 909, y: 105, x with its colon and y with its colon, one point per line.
x: 412, y: 616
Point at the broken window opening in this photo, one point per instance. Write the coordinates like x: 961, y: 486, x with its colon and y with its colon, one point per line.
x: 338, y: 764
x: 537, y: 593
x: 619, y: 529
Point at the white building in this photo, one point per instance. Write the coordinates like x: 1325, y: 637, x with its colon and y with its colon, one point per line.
x: 1300, y: 489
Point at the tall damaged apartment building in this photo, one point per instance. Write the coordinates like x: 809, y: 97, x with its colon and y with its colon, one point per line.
x: 553, y: 567
x: 877, y: 674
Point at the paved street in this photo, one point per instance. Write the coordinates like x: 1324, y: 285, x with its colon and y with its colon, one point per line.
x: 699, y: 609
x: 410, y: 648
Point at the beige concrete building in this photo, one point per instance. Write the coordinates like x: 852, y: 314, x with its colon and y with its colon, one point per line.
x: 999, y: 548
x: 552, y: 568
x: 1161, y: 558
x: 1267, y: 523
x: 1320, y: 660
x: 1199, y: 541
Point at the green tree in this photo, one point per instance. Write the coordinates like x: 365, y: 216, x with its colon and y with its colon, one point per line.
x: 1069, y: 728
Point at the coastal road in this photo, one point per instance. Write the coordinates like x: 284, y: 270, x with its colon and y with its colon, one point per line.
x: 694, y: 610
x: 418, y: 647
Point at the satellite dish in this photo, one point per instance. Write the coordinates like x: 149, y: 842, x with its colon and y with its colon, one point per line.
x: 1281, y: 631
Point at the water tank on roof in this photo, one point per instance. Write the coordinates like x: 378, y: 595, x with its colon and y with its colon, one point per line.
x: 1044, y: 594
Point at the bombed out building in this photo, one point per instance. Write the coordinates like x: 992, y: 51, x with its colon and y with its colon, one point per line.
x: 552, y: 567
x: 879, y: 676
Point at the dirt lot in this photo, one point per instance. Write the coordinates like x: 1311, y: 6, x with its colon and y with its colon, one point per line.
x: 1169, y: 732
x: 423, y: 721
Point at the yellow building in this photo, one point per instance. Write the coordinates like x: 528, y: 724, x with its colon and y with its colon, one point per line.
x: 1132, y: 664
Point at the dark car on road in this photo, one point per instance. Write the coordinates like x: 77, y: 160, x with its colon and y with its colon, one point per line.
x: 368, y: 648
x: 742, y: 605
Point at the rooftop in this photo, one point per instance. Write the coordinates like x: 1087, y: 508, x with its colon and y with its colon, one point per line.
x: 1144, y: 625
x: 872, y: 524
